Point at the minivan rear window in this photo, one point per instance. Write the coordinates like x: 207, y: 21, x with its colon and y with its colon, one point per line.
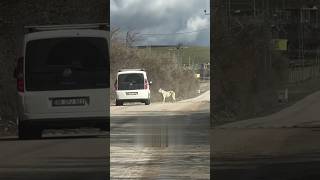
x: 67, y: 64
x: 130, y: 81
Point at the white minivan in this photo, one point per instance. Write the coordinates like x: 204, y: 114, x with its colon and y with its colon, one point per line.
x: 63, y: 78
x: 132, y: 85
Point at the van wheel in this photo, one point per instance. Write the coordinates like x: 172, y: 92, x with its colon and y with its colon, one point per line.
x: 26, y: 131
x: 104, y: 128
x: 147, y: 102
x: 119, y: 103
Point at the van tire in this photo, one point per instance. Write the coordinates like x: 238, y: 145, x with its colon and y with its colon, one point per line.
x: 147, y: 102
x: 26, y: 131
x: 105, y: 129
x: 119, y: 103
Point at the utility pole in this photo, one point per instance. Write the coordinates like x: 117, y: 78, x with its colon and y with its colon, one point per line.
x: 217, y: 26
x: 228, y: 14
x: 254, y: 8
x: 301, y: 43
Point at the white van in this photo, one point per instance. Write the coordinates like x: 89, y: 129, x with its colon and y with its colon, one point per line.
x: 63, y: 78
x: 132, y: 85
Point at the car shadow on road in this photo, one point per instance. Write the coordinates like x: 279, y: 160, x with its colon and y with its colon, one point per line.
x: 128, y: 104
x: 56, y: 175
x: 285, y: 168
x: 55, y: 138
x: 62, y: 169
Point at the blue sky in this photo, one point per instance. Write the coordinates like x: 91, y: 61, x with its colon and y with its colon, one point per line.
x: 169, y: 21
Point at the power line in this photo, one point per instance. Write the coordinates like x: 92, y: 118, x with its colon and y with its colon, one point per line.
x: 172, y: 34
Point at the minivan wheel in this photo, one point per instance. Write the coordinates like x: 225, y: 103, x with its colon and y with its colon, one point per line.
x: 26, y: 131
x: 119, y: 103
x: 147, y: 102
x: 104, y: 128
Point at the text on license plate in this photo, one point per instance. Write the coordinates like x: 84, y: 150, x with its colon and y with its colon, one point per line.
x: 72, y: 101
x: 131, y: 93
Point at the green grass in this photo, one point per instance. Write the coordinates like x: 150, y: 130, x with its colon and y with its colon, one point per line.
x: 197, y: 54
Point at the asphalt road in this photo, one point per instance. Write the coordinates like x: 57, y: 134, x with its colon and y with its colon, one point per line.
x: 69, y: 156
x: 281, y: 146
x: 161, y: 141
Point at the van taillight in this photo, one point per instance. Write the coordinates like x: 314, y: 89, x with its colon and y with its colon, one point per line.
x: 145, y: 84
x: 19, y: 75
x: 20, y: 85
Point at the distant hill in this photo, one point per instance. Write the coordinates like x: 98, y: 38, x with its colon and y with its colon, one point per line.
x: 197, y: 54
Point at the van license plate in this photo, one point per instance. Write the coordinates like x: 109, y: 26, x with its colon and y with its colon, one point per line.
x: 79, y: 101
x: 131, y: 93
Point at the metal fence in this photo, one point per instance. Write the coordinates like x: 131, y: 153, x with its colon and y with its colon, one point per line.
x: 300, y: 73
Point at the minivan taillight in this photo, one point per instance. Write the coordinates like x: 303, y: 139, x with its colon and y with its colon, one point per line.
x: 20, y: 85
x: 18, y: 73
x: 145, y: 84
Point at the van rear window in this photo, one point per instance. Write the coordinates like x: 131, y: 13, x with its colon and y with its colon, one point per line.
x: 67, y: 63
x: 130, y: 81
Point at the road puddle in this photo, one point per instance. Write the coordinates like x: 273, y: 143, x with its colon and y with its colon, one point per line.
x: 160, y: 147
x: 153, y: 137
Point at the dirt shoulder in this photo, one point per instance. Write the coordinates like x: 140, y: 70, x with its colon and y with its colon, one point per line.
x: 296, y: 93
x: 7, y: 128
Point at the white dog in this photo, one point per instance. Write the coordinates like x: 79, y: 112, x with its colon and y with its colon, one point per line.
x: 166, y: 94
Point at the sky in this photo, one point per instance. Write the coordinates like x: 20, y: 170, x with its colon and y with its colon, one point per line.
x: 163, y: 22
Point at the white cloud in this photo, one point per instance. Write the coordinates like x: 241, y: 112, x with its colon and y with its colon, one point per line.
x: 163, y: 16
x: 197, y: 23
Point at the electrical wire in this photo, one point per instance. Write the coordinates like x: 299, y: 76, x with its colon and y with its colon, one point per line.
x: 172, y: 34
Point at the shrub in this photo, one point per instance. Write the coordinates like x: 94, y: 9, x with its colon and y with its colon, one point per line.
x: 162, y: 69
x: 248, y: 71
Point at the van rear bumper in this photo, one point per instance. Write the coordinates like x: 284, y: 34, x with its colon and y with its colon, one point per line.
x: 64, y: 123
x: 133, y: 100
x: 141, y: 94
